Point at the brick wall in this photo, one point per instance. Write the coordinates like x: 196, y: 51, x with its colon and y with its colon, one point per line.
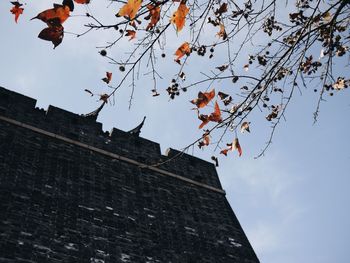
x: 62, y: 201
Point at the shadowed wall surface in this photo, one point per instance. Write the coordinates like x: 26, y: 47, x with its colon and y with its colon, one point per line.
x: 73, y: 193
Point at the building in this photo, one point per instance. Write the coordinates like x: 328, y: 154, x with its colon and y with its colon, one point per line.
x: 72, y: 193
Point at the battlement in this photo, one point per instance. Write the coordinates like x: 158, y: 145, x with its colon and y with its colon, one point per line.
x: 87, y: 130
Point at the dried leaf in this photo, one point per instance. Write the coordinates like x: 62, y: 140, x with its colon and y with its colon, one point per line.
x: 222, y: 33
x: 203, y: 98
x: 214, y: 117
x: 233, y: 146
x: 222, y: 68
x: 17, y: 10
x: 245, y: 127
x: 222, y: 95
x: 58, y: 13
x: 154, y: 15
x: 179, y: 16
x: 184, y: 49
x: 339, y: 84
x: 130, y: 9
x: 206, y: 139
x: 82, y: 1
x: 131, y: 34
x: 222, y: 9
x: 108, y: 77
x: 53, y: 33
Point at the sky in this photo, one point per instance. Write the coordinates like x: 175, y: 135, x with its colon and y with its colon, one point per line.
x: 293, y: 203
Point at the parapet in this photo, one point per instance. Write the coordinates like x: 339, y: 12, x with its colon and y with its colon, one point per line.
x: 88, y: 131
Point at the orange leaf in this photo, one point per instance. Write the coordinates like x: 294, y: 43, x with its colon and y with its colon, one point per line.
x: 82, y: 1
x: 154, y: 14
x: 53, y: 33
x: 108, y: 77
x: 184, y: 49
x: 58, y: 12
x: 222, y: 33
x: 203, y: 98
x: 17, y: 10
x: 233, y: 146
x: 214, y: 116
x: 130, y: 9
x: 131, y: 34
x: 179, y: 16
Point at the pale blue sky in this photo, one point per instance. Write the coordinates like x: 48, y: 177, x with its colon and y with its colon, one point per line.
x: 293, y: 203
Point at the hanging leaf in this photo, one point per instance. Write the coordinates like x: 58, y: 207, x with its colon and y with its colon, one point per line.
x: 214, y: 117
x: 17, y: 10
x: 154, y: 15
x: 82, y: 1
x: 68, y: 3
x: 130, y: 9
x: 205, y: 141
x: 58, y: 12
x: 53, y: 33
x: 131, y: 34
x: 108, y: 77
x: 245, y: 127
x: 222, y: 33
x: 179, y: 16
x: 222, y: 68
x: 233, y: 146
x: 184, y: 49
x: 203, y: 98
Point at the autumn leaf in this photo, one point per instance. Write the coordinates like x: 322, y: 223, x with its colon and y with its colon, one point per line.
x: 68, y: 3
x: 108, y: 77
x: 233, y: 146
x: 214, y: 117
x: 245, y: 127
x: 130, y: 9
x: 53, y: 33
x: 222, y: 33
x: 58, y: 12
x: 131, y: 34
x: 339, y: 84
x: 17, y: 10
x: 179, y: 16
x: 184, y: 49
x: 82, y: 1
x: 205, y: 139
x: 203, y: 98
x: 154, y: 15
x: 222, y: 9
x: 222, y: 68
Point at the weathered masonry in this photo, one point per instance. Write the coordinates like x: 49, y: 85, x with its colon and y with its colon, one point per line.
x: 70, y: 192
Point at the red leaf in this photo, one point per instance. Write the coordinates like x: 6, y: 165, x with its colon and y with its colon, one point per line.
x: 131, y: 34
x: 154, y: 14
x: 184, y: 49
x: 17, y: 10
x: 108, y: 77
x: 214, y: 116
x: 203, y: 98
x: 179, y: 16
x: 58, y: 12
x: 53, y: 33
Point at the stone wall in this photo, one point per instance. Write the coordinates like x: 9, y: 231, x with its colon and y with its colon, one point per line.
x: 72, y: 193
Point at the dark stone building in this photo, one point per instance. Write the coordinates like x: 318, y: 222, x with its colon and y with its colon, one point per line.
x: 70, y: 192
